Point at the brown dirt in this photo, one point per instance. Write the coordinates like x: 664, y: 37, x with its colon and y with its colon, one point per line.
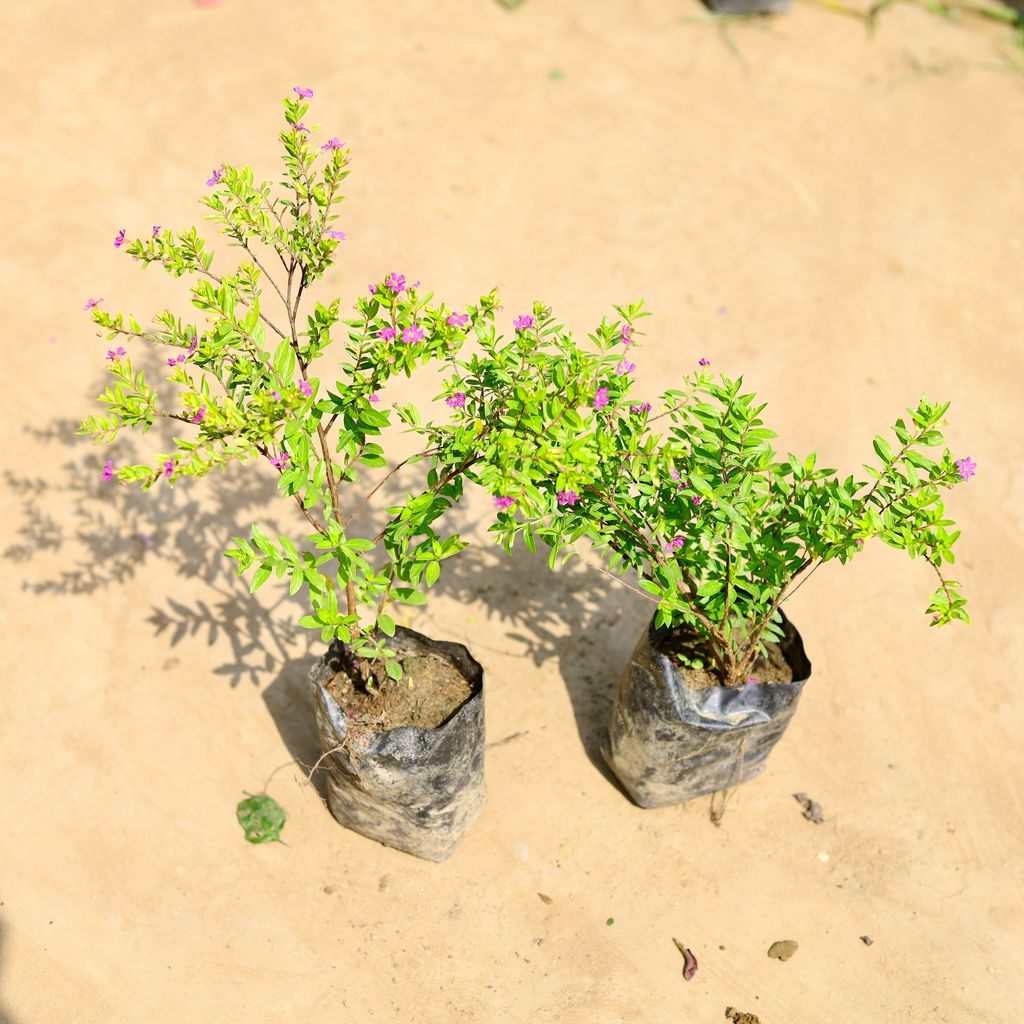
x: 739, y: 1017
x: 428, y: 694
x: 836, y: 217
x: 770, y: 667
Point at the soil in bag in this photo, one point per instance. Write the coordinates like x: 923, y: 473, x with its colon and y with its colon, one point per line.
x: 406, y: 761
x: 675, y: 733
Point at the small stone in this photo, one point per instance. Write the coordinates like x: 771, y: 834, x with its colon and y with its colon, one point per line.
x: 545, y: 899
x: 867, y: 940
x: 783, y: 949
x: 328, y: 889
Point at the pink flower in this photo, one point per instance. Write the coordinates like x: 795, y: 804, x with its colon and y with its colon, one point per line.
x: 522, y: 323
x: 91, y: 303
x: 676, y: 543
x: 305, y: 94
x: 337, y: 236
x: 200, y: 414
x: 567, y: 498
x: 373, y: 289
x: 300, y: 127
x: 306, y: 388
x: 108, y: 471
x: 412, y: 333
x: 280, y: 461
x: 387, y: 334
x: 696, y: 499
x: 332, y: 144
x: 457, y: 320
x: 624, y: 367
x: 627, y: 335
x: 396, y: 282
x: 216, y: 176
x: 275, y: 396
x: 456, y: 401
x: 119, y: 240
x: 156, y: 230
x: 503, y: 502
x: 112, y: 355
x: 601, y: 398
x: 966, y: 467
x: 168, y: 467
x: 374, y: 397
x: 751, y: 681
x: 703, y: 362
x: 642, y: 407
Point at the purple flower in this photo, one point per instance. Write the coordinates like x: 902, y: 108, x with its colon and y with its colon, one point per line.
x: 373, y: 289
x: 396, y: 282
x: 966, y: 467
x: 412, y: 333
x: 112, y: 355
x: 414, y: 286
x: 522, y: 323
x: 300, y: 127
x: 275, y: 396
x: 696, y: 499
x: 168, y: 467
x: 627, y: 335
x: 306, y: 388
x: 333, y: 143
x: 457, y: 320
x: 91, y: 303
x: 751, y: 681
x: 456, y: 401
x: 305, y: 94
x: 108, y: 471
x: 676, y: 543
x: 387, y: 334
x: 338, y: 236
x: 624, y: 367
x: 156, y: 230
x: 216, y: 176
x: 703, y: 362
x: 193, y: 345
x: 601, y: 398
x: 503, y: 501
x: 171, y: 361
x: 675, y: 474
x: 119, y: 240
x: 567, y: 498
x: 374, y: 397
x: 642, y: 407
x: 280, y: 461
x: 200, y: 414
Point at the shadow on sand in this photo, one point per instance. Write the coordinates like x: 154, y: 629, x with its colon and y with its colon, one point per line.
x: 108, y: 534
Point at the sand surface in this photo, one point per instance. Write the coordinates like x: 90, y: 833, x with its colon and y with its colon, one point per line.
x: 840, y: 219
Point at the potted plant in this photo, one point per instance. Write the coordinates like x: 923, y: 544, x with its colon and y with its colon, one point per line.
x: 400, y: 716
x: 702, y: 517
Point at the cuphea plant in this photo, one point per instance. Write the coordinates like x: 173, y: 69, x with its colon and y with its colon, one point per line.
x: 704, y: 515
x: 246, y: 385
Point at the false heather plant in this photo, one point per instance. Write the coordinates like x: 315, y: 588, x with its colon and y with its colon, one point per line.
x: 688, y: 498
x: 243, y: 383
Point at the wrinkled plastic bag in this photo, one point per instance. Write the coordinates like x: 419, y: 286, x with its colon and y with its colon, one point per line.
x: 668, y: 743
x: 417, y: 790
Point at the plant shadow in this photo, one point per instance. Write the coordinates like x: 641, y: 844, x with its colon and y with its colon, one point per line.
x: 5, y: 1017
x: 109, y: 534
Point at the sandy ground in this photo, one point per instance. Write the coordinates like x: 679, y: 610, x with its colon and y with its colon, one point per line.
x: 838, y: 218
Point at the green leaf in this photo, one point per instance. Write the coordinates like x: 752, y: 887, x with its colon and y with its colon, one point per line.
x: 262, y: 818
x: 260, y: 577
x: 386, y: 624
x: 393, y: 668
x: 432, y: 573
